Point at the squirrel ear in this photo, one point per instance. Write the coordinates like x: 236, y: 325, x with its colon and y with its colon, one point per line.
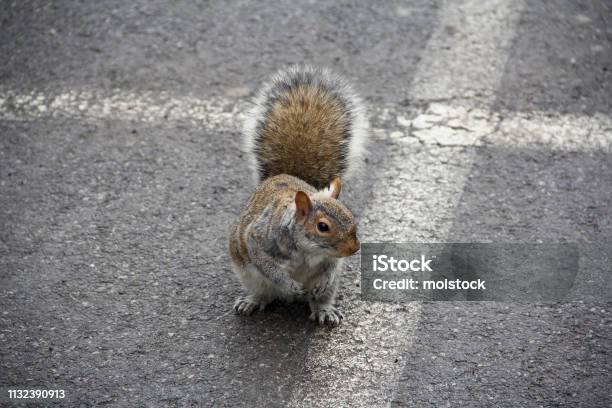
x: 335, y: 187
x: 302, y: 205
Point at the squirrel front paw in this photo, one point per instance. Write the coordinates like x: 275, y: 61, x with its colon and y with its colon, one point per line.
x: 297, y: 288
x: 248, y: 304
x: 327, y: 316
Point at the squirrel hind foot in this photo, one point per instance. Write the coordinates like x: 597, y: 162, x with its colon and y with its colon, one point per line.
x: 327, y: 316
x: 246, y: 305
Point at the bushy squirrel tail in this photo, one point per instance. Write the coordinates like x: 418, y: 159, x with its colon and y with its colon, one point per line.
x: 307, y: 122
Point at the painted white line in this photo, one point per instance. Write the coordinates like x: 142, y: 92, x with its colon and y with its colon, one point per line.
x: 439, y: 124
x: 455, y: 126
x: 121, y: 105
x: 466, y: 54
x: 411, y: 190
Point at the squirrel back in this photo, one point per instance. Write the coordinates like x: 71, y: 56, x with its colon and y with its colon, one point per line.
x: 306, y: 122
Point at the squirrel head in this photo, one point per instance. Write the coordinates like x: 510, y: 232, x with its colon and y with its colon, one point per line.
x: 325, y: 225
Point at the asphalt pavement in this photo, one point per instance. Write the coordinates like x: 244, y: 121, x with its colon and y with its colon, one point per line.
x: 121, y: 170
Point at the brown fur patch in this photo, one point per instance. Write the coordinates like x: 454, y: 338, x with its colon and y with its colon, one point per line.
x: 237, y: 246
x: 349, y: 247
x: 304, y: 136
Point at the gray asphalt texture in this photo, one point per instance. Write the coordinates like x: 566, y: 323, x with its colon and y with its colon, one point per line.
x: 115, y: 282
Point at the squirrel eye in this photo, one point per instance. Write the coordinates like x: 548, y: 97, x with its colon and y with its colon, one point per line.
x: 322, y: 227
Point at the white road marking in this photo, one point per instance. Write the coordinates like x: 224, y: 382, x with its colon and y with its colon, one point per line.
x: 213, y: 113
x: 466, y: 54
x: 409, y: 208
x: 455, y: 126
x: 439, y: 124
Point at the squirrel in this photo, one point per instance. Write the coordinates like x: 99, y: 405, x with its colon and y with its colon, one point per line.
x: 305, y: 131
